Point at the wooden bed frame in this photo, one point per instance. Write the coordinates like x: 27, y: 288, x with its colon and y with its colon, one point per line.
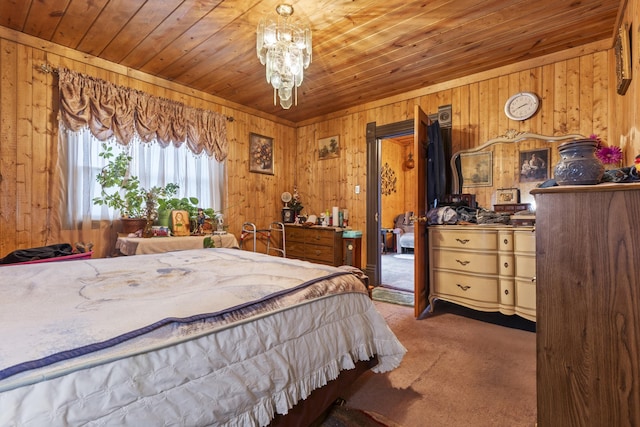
x: 313, y: 409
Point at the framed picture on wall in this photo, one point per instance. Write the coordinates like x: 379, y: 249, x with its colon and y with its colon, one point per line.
x: 329, y: 148
x: 260, y: 154
x: 623, y: 60
x: 534, y: 165
x: 477, y: 169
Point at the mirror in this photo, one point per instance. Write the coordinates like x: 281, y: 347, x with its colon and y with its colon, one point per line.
x: 506, y: 167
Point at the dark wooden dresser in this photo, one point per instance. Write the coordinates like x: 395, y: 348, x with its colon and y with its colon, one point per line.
x: 316, y: 244
x: 588, y: 305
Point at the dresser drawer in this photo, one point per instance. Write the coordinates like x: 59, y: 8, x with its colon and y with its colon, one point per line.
x: 524, y: 241
x: 296, y: 234
x: 526, y: 295
x: 526, y: 266
x: 468, y: 262
x: 311, y: 236
x: 321, y: 254
x: 296, y: 249
x: 464, y: 239
x: 474, y: 288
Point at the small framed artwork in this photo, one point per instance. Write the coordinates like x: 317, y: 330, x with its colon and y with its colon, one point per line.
x: 534, y: 165
x: 260, y: 154
x: 329, y: 148
x: 623, y: 60
x: 477, y: 169
x: 180, y: 223
x: 506, y: 196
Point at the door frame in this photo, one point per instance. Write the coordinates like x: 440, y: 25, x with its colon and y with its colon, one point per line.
x: 375, y: 135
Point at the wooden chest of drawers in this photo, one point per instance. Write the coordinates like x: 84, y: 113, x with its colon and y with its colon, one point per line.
x: 322, y: 245
x: 484, y: 268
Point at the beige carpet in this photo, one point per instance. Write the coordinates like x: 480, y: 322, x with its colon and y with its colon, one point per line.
x: 458, y: 372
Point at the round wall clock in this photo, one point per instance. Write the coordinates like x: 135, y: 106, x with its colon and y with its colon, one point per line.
x: 522, y: 106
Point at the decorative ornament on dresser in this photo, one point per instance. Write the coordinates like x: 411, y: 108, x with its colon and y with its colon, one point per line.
x: 578, y: 163
x: 610, y: 156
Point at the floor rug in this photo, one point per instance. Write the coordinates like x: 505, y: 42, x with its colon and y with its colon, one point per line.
x: 392, y: 296
x: 404, y: 256
x: 342, y: 416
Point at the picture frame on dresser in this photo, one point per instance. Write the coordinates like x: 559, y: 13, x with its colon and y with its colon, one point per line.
x: 507, y: 196
x: 477, y: 169
x: 534, y: 164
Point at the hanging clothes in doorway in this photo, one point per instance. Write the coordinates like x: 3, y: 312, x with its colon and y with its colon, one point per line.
x: 436, y: 167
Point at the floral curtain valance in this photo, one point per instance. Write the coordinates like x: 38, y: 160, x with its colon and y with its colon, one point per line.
x: 109, y: 111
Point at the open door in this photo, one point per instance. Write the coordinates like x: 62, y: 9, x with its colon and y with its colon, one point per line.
x: 419, y: 128
x: 421, y: 248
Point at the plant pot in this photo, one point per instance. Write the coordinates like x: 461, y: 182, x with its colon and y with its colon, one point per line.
x: 131, y: 225
x: 164, y: 218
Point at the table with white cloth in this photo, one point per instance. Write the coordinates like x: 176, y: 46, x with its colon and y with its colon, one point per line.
x: 156, y: 245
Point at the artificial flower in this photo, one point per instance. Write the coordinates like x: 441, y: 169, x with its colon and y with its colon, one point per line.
x: 607, y: 155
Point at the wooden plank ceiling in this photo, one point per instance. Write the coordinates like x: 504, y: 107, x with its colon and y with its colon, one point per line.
x: 363, y: 50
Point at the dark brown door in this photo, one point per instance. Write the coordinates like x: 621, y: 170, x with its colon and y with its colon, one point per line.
x: 421, y: 249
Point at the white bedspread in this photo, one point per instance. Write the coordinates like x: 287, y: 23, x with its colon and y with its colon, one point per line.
x: 228, y: 374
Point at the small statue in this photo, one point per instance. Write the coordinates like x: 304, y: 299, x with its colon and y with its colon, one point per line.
x: 220, y: 223
x: 200, y: 219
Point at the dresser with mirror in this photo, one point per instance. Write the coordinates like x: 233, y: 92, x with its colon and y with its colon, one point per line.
x: 492, y: 266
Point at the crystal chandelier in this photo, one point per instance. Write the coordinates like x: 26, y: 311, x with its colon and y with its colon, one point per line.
x: 284, y: 47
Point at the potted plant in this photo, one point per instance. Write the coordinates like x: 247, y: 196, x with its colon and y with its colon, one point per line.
x: 123, y: 192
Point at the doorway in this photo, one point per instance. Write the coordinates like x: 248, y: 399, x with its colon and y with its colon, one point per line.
x: 375, y: 134
x: 397, y: 204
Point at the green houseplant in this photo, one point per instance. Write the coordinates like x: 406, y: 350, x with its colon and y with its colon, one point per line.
x: 124, y: 193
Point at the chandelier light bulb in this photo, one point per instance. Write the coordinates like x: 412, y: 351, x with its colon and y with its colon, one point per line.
x: 283, y: 46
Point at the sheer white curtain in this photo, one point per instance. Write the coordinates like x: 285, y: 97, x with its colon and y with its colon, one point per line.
x: 198, y: 176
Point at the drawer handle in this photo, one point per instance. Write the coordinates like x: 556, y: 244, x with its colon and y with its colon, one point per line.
x: 463, y: 241
x: 506, y: 241
x: 506, y: 291
x: 533, y: 279
x: 463, y: 287
x: 462, y: 262
x: 506, y: 265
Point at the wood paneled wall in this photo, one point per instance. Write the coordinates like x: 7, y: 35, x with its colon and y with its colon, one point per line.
x: 393, y: 203
x: 577, y: 88
x: 29, y: 201
x: 577, y: 93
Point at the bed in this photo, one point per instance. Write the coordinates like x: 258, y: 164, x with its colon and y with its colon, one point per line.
x: 197, y: 337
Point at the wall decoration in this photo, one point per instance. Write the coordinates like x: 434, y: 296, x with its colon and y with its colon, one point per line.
x: 477, y: 169
x: 329, y: 148
x: 623, y: 59
x: 534, y: 165
x: 388, y: 180
x: 260, y: 154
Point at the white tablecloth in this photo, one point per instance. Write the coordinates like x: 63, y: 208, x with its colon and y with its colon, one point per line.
x: 156, y: 245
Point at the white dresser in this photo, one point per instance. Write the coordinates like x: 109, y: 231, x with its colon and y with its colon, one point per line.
x: 484, y: 267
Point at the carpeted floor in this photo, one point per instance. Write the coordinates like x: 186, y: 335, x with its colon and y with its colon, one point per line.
x: 397, y: 271
x: 460, y: 370
x: 396, y: 279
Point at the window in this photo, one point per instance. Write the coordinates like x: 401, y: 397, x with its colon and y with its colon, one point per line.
x: 198, y: 176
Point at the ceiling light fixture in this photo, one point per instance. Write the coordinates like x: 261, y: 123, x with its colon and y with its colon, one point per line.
x: 284, y: 47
